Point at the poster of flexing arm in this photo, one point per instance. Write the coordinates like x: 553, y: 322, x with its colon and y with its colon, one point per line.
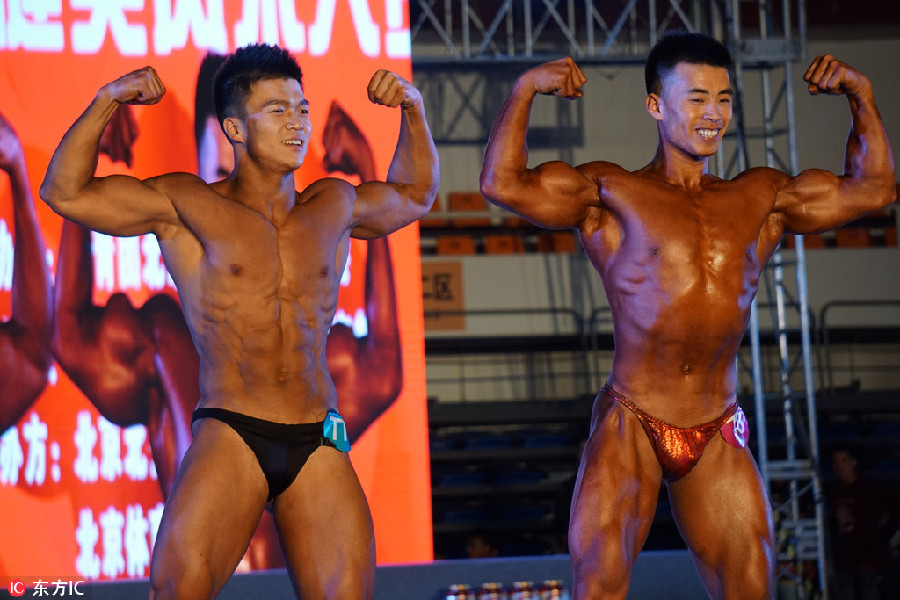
x: 98, y: 375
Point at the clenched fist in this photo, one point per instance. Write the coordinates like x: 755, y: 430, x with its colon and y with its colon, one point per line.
x: 142, y: 86
x: 389, y: 89
x: 560, y: 77
x: 827, y: 75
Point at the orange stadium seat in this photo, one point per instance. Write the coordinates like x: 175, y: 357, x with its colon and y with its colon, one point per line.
x: 468, y: 202
x: 852, y: 237
x: 557, y: 241
x: 503, y: 243
x: 429, y: 221
x: 455, y: 244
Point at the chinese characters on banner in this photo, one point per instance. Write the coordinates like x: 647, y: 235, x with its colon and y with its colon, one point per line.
x: 81, y: 496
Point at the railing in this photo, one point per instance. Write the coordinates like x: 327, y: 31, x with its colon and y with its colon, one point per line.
x: 510, y: 367
x: 557, y: 352
x: 886, y: 331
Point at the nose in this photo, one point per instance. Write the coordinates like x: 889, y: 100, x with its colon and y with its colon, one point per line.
x: 297, y: 120
x: 715, y: 112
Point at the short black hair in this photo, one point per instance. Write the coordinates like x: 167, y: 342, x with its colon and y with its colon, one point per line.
x: 681, y: 46
x: 204, y: 106
x: 245, y: 67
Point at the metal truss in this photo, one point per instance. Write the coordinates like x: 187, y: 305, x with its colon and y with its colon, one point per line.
x: 462, y: 54
x: 537, y: 30
x: 788, y: 459
x: 462, y: 47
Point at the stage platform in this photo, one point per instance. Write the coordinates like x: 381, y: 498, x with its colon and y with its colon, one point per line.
x: 656, y: 575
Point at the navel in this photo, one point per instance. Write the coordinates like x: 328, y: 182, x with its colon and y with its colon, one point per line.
x: 686, y: 368
x: 654, y: 251
x: 324, y: 271
x: 235, y: 269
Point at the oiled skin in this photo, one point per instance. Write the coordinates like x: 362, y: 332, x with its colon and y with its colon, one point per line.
x: 679, y: 252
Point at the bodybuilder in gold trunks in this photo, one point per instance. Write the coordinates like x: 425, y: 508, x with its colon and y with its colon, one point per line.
x: 679, y: 252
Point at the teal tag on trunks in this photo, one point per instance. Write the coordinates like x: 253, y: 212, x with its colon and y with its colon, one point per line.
x: 335, y: 430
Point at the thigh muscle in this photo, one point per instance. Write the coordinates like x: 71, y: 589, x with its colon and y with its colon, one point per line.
x: 326, y: 529
x: 614, y: 503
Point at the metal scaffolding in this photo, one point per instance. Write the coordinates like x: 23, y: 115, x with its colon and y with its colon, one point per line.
x: 466, y: 54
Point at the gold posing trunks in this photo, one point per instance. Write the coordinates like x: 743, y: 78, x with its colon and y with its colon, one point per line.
x: 678, y: 449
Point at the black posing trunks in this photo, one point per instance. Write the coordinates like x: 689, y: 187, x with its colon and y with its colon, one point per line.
x: 280, y: 448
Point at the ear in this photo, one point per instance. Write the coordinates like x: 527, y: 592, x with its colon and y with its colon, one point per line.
x: 233, y: 129
x: 654, y: 106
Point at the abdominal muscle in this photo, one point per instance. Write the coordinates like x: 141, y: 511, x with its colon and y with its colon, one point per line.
x: 675, y: 354
x: 266, y: 358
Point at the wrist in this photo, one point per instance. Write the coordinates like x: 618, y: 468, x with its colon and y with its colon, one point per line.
x: 524, y: 87
x: 864, y: 90
x: 106, y: 97
x: 413, y: 101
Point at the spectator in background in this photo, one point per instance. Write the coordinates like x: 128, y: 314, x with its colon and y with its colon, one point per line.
x: 480, y: 545
x: 863, y: 516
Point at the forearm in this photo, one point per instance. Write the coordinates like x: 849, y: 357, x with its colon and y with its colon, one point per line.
x: 74, y: 161
x: 506, y: 154
x: 415, y: 161
x: 31, y: 289
x: 868, y: 161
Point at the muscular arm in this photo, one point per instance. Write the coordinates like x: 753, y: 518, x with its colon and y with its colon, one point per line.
x: 815, y: 200
x: 412, y: 180
x: 117, y: 205
x: 554, y: 194
x: 368, y: 374
x: 24, y: 339
x: 104, y: 350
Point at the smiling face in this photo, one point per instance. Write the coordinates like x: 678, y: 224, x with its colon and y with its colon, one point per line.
x: 276, y: 126
x: 693, y: 108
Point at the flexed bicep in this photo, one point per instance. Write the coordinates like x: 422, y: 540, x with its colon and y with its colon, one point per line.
x: 119, y: 204
x: 817, y: 200
x: 409, y: 189
x: 555, y: 194
x: 381, y: 208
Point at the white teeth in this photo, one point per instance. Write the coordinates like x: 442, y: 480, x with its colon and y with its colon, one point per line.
x: 708, y: 133
x: 294, y: 142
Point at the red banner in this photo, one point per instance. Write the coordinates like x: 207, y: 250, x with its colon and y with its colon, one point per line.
x: 80, y: 495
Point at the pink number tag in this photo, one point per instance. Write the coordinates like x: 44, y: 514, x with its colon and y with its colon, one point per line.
x: 736, y: 430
